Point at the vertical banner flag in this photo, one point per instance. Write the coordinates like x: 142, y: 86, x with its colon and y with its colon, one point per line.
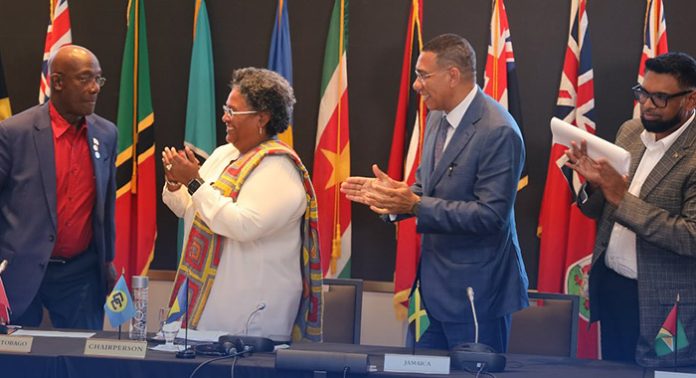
x: 332, y: 149
x: 136, y: 227
x: 119, y: 304
x: 280, y: 55
x: 5, y: 109
x: 58, y: 34
x: 200, y: 104
x: 654, y: 40
x: 671, y: 336
x: 500, y: 75
x: 410, y: 114
x: 567, y: 236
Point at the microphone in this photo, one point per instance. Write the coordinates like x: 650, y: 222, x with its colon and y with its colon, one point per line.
x: 476, y: 357
x: 470, y: 294
x: 259, y: 307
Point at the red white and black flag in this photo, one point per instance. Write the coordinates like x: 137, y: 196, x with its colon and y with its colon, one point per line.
x: 58, y: 34
x: 654, y: 40
x: 567, y: 236
x: 500, y: 76
x: 405, y: 157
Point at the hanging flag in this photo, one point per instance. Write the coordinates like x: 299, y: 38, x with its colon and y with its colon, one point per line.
x: 332, y: 149
x: 410, y: 114
x: 500, y: 75
x: 567, y: 236
x: 5, y: 109
x: 58, y: 34
x: 119, y: 304
x: 671, y: 336
x: 654, y: 40
x: 417, y: 314
x: 180, y: 305
x: 200, y: 105
x: 136, y: 227
x: 280, y: 55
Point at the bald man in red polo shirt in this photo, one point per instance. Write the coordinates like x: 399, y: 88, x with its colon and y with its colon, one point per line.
x: 57, y: 196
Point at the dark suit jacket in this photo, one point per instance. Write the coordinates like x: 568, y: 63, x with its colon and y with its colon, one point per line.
x: 28, y: 198
x: 466, y: 216
x: 664, y: 220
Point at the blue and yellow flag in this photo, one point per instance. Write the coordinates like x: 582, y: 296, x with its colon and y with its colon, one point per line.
x: 119, y: 304
x: 180, y: 305
x: 417, y: 314
x: 5, y: 111
x: 280, y: 56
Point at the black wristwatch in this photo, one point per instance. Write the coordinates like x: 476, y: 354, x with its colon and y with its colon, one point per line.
x: 194, y: 184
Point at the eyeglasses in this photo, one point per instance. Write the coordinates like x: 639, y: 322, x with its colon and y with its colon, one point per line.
x: 659, y: 99
x: 231, y: 113
x: 84, y: 80
x: 424, y: 76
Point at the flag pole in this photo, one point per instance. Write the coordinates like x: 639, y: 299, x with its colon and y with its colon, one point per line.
x: 676, y: 329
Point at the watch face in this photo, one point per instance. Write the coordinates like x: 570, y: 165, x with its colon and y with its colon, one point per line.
x: 193, y: 185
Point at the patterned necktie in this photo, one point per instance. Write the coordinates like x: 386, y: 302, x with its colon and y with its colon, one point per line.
x: 440, y: 138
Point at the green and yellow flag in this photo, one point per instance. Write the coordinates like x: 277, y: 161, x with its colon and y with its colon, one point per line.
x: 136, y: 227
x: 417, y: 314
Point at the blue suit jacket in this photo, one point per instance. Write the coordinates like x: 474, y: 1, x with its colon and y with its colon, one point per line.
x: 466, y: 216
x: 28, y: 198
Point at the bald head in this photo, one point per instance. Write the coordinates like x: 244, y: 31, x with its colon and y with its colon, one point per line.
x: 75, y: 82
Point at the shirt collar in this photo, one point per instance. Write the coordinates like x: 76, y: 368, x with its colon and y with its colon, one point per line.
x: 455, y: 116
x: 61, y: 125
x: 665, y: 143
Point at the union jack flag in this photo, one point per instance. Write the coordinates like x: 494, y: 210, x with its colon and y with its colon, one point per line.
x: 500, y: 76
x: 57, y: 35
x: 654, y: 40
x: 567, y: 236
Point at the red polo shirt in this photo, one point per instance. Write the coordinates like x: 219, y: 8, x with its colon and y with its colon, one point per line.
x: 75, y: 186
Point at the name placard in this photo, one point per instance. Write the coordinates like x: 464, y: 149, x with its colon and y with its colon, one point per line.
x: 15, y: 344
x: 115, y: 348
x: 671, y: 374
x: 414, y: 363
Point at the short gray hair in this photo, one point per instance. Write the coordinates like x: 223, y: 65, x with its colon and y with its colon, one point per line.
x: 452, y: 49
x: 266, y: 90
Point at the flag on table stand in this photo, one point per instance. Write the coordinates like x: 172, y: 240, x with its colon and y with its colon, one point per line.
x: 332, y: 150
x: 119, y: 304
x: 567, y: 236
x: 180, y: 304
x: 58, y: 34
x: 417, y: 314
x: 4, y: 305
x: 5, y: 109
x: 280, y: 56
x: 136, y: 227
x: 410, y: 113
x: 671, y: 336
x: 200, y: 105
x: 654, y: 40
x: 500, y: 76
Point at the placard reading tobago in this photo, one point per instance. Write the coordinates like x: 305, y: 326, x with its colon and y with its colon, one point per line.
x: 15, y: 344
x: 115, y: 348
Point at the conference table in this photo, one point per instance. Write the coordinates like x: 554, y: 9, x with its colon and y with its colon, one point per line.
x: 63, y: 357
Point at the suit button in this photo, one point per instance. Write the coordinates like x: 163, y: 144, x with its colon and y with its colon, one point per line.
x: 51, y: 238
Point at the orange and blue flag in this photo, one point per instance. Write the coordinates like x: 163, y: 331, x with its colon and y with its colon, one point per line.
x: 180, y: 305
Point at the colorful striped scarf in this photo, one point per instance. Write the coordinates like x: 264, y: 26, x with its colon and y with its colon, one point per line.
x: 203, y: 247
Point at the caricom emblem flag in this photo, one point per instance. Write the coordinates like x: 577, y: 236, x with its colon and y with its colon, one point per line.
x: 119, y: 304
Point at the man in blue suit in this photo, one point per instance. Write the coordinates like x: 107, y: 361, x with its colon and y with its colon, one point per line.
x: 463, y: 200
x: 57, y: 197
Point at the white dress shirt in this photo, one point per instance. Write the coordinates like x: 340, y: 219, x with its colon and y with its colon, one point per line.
x: 621, y: 251
x: 260, y: 260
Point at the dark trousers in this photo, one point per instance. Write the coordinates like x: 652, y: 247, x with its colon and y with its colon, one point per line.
x: 73, y: 294
x: 446, y: 335
x: 618, y: 314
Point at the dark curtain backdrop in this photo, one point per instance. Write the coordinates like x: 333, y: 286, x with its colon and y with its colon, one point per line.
x: 241, y: 31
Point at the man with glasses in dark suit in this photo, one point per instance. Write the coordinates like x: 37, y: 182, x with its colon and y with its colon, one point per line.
x: 645, y: 251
